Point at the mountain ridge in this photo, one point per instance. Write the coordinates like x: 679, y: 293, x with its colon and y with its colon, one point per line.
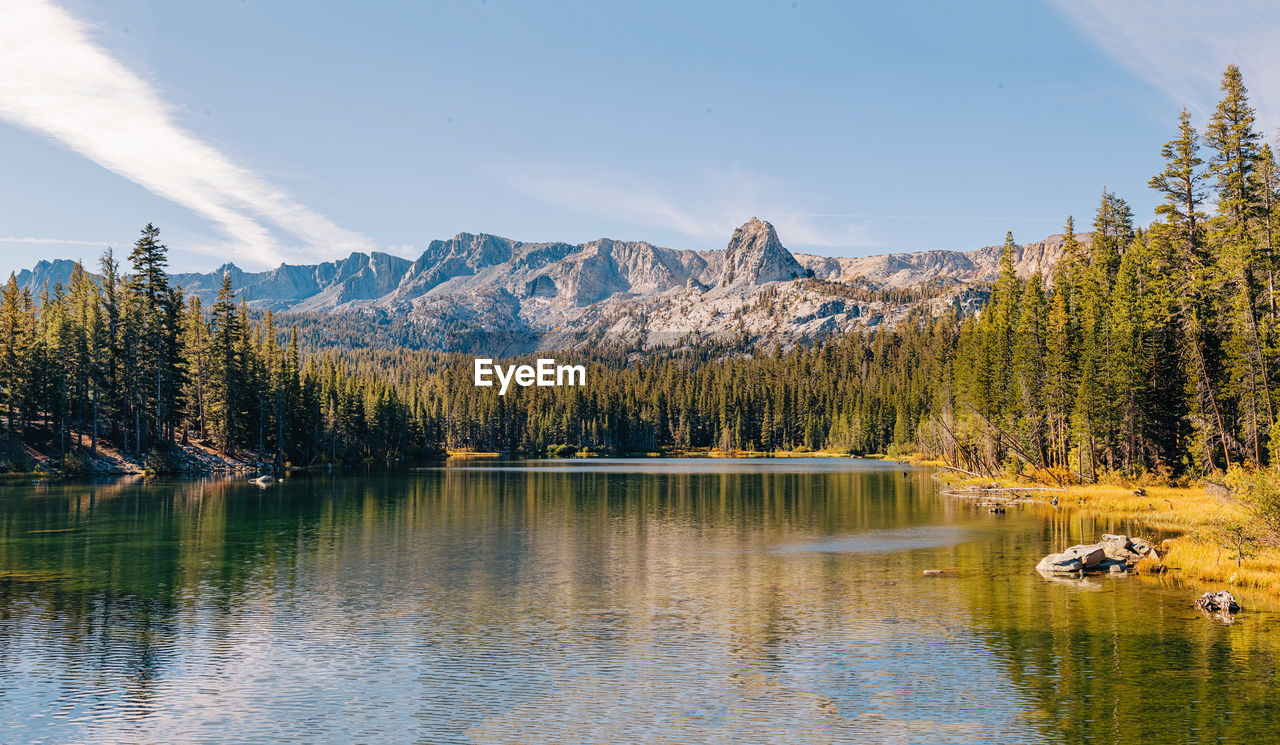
x: 544, y: 294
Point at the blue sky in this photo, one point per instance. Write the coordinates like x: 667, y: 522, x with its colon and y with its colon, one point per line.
x: 262, y: 132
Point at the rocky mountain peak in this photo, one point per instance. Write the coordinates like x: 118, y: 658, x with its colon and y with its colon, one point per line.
x: 491, y: 293
x: 755, y: 256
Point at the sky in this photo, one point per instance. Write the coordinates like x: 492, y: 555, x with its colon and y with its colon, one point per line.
x: 266, y: 131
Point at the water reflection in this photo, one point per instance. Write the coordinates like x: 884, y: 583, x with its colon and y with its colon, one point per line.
x: 568, y: 602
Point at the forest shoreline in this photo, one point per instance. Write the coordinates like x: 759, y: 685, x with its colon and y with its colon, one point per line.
x: 192, y: 458
x: 1194, y: 523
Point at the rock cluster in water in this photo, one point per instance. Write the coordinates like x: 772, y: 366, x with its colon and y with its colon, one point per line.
x: 1114, y: 553
x: 1218, y: 602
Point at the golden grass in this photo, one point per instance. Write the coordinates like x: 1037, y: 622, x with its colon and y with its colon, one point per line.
x: 717, y: 453
x: 1189, y: 510
x: 1196, y: 559
x: 1201, y: 553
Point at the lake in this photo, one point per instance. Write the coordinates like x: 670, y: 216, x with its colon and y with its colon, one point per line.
x: 595, y: 601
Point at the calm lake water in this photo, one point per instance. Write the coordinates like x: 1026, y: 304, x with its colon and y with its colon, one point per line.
x: 646, y: 601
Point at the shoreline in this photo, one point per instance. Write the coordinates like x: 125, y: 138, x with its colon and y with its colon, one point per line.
x: 1194, y: 518
x: 1195, y: 521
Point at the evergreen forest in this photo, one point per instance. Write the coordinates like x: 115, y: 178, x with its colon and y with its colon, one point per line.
x: 1148, y: 349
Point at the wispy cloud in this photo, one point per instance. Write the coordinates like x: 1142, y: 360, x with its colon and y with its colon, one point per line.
x: 724, y: 201
x: 56, y: 81
x: 1182, y: 47
x: 721, y: 202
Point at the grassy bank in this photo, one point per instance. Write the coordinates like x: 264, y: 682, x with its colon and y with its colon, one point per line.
x: 1219, y: 537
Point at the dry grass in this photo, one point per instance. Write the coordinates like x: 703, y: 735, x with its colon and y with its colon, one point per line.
x: 1186, y: 510
x: 1205, y: 551
x: 1209, y: 561
x: 1202, y: 552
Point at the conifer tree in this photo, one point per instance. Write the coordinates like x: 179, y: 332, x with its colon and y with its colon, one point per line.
x: 227, y: 373
x: 155, y: 334
x: 1233, y: 143
x: 1181, y: 185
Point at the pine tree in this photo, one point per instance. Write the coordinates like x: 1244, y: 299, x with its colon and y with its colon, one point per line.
x: 1129, y: 364
x: 1234, y: 144
x: 1029, y: 369
x: 14, y: 346
x: 226, y: 374
x: 110, y: 369
x: 197, y: 349
x: 154, y: 336
x: 1181, y: 185
x: 1235, y: 155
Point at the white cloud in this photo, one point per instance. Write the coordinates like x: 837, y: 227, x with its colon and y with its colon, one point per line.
x: 1182, y: 47
x: 56, y: 81
x: 724, y: 202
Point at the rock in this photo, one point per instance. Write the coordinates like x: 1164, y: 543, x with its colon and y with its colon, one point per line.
x: 485, y: 293
x: 932, y: 572
x: 980, y: 265
x: 1129, y: 550
x: 1112, y: 566
x: 755, y: 256
x: 540, y: 286
x: 1060, y: 564
x: 1073, y: 560
x: 1091, y: 555
x: 1144, y: 549
x: 1218, y: 602
x: 1119, y: 547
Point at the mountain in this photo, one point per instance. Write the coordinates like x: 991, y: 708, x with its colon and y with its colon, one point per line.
x: 978, y: 265
x: 480, y: 292
x: 755, y: 256
x: 46, y: 272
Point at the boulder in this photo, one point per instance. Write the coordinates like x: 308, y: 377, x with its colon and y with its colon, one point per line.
x: 1119, y: 547
x: 1059, y: 564
x: 1143, y: 548
x: 1130, y: 550
x: 1218, y: 602
x: 1073, y: 560
x: 1091, y: 555
x: 1114, y: 566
